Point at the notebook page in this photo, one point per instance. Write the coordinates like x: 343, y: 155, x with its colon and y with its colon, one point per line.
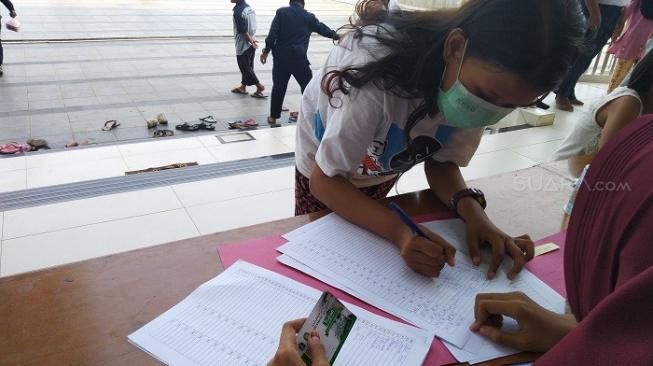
x: 236, y: 319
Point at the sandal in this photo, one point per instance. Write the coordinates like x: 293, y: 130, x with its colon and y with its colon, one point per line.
x: 273, y: 124
x: 110, y: 125
x: 239, y: 91
x: 163, y: 133
x: 151, y: 123
x: 209, y: 119
x: 187, y: 127
x: 14, y: 148
x: 250, y: 123
x: 293, y: 117
x: 38, y: 144
x: 161, y: 118
x: 206, y: 126
x: 259, y: 95
x: 284, y: 109
x: 240, y: 125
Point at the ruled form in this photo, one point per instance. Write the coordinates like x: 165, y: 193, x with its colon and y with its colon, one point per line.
x: 236, y: 319
x: 371, y: 268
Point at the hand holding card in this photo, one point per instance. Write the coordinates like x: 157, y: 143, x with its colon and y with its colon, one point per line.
x: 332, y: 321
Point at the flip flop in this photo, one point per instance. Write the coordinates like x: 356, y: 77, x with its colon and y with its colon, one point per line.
x: 238, y: 91
x: 13, y: 148
x: 163, y: 133
x: 110, y: 125
x: 162, y: 119
x: 151, y: 123
x: 187, y: 127
x: 250, y: 123
x: 284, y: 109
x: 38, y: 144
x: 209, y: 119
x: 258, y: 95
x: 206, y: 126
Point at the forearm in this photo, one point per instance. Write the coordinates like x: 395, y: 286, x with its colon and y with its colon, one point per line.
x: 346, y: 200
x: 593, y: 6
x: 248, y: 37
x: 445, y: 180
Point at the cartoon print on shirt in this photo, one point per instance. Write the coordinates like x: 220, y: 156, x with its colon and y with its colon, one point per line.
x: 392, y: 157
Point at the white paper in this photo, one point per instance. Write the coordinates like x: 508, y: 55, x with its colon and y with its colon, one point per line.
x: 236, y: 319
x: 371, y: 268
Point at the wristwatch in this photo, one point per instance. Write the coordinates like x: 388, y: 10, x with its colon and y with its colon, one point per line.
x: 475, y: 193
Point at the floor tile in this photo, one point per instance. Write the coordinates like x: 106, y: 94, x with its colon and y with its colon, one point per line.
x: 66, y: 246
x: 159, y: 146
x: 72, y: 157
x: 13, y: 180
x: 243, y: 185
x: 542, y: 153
x: 526, y: 137
x: 497, y: 162
x: 150, y: 160
x: 12, y: 163
x: 65, y: 215
x: 226, y: 215
x: 249, y: 149
x: 68, y: 173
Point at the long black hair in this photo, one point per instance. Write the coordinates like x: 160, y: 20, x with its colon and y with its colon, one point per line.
x: 641, y: 80
x: 536, y: 39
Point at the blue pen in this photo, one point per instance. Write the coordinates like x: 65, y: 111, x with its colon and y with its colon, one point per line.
x: 407, y: 220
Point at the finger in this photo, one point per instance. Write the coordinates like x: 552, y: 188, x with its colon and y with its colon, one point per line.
x: 289, y: 331
x: 481, y: 298
x: 419, y: 258
x: 428, y: 247
x: 484, y: 309
x: 427, y: 270
x: 496, y: 335
x: 498, y: 250
x: 527, y: 246
x: 473, y: 247
x: 318, y: 353
x: 518, y: 258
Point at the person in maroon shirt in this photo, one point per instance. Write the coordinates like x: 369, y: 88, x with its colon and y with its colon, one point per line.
x: 12, y: 13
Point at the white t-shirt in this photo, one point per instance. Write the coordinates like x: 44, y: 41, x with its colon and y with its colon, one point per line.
x: 584, y: 138
x: 362, y: 138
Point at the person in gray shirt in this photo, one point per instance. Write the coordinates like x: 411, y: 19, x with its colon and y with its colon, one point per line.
x: 246, y: 45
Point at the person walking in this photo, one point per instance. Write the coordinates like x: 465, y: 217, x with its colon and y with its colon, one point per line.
x: 288, y: 40
x: 246, y: 45
x: 12, y: 13
x: 629, y: 47
x: 603, y: 17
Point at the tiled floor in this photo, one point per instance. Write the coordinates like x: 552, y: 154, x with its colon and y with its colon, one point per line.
x: 60, y: 233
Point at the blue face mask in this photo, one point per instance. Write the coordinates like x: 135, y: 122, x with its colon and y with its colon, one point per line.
x: 461, y: 108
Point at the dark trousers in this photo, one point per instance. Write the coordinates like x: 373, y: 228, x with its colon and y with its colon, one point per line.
x: 2, y: 56
x: 282, y: 70
x: 246, y: 66
x: 610, y: 15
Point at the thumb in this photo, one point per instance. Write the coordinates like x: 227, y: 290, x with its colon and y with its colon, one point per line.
x: 496, y: 335
x: 318, y: 354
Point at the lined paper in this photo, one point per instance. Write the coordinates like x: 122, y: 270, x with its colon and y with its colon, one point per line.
x: 236, y: 319
x: 371, y: 268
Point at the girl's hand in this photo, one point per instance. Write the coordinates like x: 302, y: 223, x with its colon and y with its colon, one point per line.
x: 426, y: 256
x: 288, y: 353
x: 482, y: 230
x: 539, y: 329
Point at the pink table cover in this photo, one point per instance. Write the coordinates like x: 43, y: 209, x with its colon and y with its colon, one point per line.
x: 263, y: 253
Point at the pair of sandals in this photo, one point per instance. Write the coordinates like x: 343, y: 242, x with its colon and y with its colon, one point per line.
x: 160, y: 119
x: 243, y: 125
x: 207, y: 123
x: 257, y: 94
x: 14, y: 148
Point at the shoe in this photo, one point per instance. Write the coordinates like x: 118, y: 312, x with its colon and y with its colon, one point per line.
x: 563, y: 104
x: 576, y: 102
x: 542, y: 105
x: 1, y: 72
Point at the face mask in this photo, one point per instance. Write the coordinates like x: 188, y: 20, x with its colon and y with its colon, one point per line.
x: 461, y: 108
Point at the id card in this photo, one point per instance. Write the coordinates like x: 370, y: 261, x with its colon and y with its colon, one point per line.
x: 331, y: 319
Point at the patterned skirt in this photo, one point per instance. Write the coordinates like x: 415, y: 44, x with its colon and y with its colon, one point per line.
x: 306, y: 203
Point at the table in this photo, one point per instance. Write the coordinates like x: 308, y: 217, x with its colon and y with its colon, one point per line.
x: 81, y: 313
